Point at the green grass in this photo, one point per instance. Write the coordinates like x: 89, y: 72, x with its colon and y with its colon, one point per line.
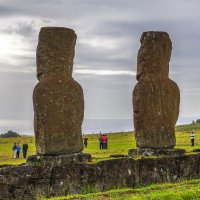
x: 185, y: 190
x: 118, y: 143
x: 6, y: 153
x: 188, y: 127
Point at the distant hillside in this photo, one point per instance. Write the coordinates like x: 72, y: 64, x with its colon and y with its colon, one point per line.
x: 9, y: 134
x: 188, y: 127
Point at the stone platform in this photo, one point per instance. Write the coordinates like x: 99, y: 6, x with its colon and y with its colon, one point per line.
x: 58, y: 160
x: 155, y: 152
x: 32, y: 182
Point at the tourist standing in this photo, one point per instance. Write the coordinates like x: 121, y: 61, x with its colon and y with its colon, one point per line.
x: 100, y: 141
x: 192, y: 136
x: 24, y: 149
x: 14, y: 150
x: 104, y: 141
x: 18, y: 150
x: 85, y: 142
x: 106, y: 145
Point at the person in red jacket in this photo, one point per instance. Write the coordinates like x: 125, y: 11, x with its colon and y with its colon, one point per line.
x: 104, y: 141
x: 106, y: 145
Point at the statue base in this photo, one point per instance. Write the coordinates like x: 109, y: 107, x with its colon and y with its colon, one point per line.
x: 58, y: 160
x: 155, y: 152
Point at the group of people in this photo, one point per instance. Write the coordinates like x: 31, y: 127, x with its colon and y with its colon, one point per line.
x: 16, y: 150
x: 103, y: 142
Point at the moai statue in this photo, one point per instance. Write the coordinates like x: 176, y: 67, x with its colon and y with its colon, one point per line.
x: 156, y: 98
x: 57, y: 98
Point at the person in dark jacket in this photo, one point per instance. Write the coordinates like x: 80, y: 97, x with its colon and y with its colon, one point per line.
x: 192, y: 136
x: 101, y: 141
x: 85, y: 142
x: 24, y: 149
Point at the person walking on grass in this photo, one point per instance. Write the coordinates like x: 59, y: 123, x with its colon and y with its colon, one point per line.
x: 14, y: 151
x: 24, y: 149
x: 18, y: 150
x: 192, y: 136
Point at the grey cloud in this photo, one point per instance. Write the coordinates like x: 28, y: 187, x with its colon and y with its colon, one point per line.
x: 106, y: 85
x: 126, y: 9
x: 120, y: 21
x: 16, y: 95
x: 27, y: 65
x: 25, y: 29
x: 100, y: 61
x: 102, y: 58
x: 29, y: 60
x: 6, y: 11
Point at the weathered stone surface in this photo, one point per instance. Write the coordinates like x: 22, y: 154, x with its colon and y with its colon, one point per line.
x: 156, y: 152
x: 118, y: 156
x: 58, y: 160
x: 24, y: 182
x: 31, y: 182
x: 196, y: 150
x: 156, y: 98
x: 57, y: 98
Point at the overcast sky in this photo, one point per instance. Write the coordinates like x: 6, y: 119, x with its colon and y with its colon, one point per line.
x: 105, y: 61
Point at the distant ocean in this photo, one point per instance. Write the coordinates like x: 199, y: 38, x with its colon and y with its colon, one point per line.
x: 89, y: 125
x: 107, y: 125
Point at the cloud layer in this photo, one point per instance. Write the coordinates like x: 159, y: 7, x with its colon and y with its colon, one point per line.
x: 105, y: 62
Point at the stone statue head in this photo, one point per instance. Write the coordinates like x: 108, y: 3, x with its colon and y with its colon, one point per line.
x: 55, y: 52
x: 154, y: 54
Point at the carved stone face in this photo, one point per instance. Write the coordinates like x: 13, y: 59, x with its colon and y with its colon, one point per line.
x: 55, y: 51
x: 154, y: 54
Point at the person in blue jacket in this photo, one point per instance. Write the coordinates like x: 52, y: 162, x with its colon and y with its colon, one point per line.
x: 18, y: 150
x: 15, y: 150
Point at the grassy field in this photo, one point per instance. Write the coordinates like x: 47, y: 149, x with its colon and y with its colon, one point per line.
x: 118, y: 143
x: 188, y: 127
x: 6, y: 153
x: 185, y: 190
